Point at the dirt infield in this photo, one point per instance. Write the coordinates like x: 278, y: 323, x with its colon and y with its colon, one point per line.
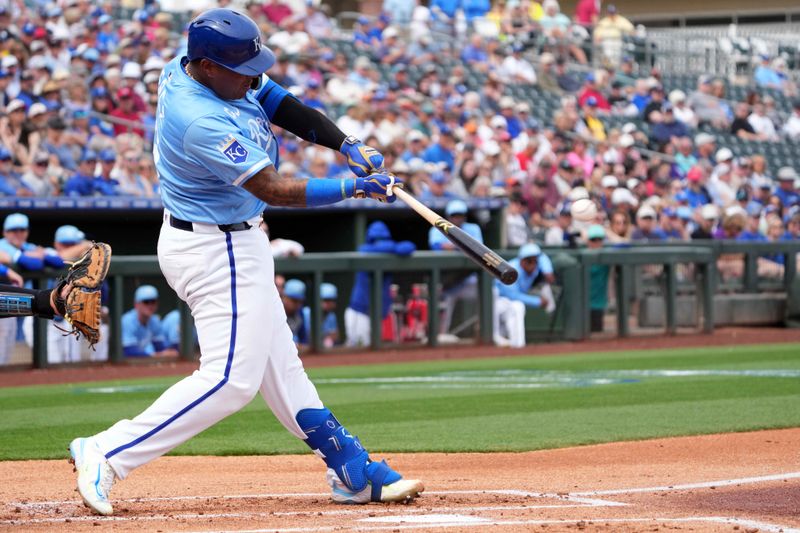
x: 142, y: 369
x: 742, y: 481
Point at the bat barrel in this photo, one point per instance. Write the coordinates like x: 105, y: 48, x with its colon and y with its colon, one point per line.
x: 509, y: 275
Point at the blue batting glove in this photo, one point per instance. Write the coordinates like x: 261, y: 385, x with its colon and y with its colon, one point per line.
x: 362, y: 159
x: 378, y: 187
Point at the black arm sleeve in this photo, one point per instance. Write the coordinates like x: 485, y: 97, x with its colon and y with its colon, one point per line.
x: 307, y: 123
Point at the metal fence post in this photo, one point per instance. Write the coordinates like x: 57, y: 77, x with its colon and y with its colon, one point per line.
x: 376, y: 308
x: 39, y: 336
x: 709, y: 280
x: 316, y: 313
x: 486, y: 307
x: 671, y: 295
x: 115, y: 345
x: 623, y: 304
x: 433, y: 307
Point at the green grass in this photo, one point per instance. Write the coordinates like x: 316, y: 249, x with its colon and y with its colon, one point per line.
x: 495, y: 410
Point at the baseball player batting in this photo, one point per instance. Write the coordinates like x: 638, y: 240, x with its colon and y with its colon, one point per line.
x: 217, y: 161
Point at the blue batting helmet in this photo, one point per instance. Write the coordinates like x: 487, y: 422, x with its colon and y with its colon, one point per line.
x: 229, y: 39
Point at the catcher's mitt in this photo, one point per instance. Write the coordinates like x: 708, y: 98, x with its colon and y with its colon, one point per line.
x: 81, y: 307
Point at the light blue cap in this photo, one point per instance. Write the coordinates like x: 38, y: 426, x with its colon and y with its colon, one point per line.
x: 16, y: 221
x: 145, y: 292
x: 596, y: 231
x: 456, y: 207
x: 328, y: 291
x: 294, y: 288
x: 529, y: 250
x: 69, y: 235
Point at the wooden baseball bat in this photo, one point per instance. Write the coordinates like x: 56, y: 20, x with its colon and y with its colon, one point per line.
x: 480, y: 254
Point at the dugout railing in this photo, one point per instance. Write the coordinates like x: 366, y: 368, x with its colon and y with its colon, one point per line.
x: 572, y: 270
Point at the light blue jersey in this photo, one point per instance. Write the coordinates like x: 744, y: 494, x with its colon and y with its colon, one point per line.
x: 209, y: 147
x: 13, y: 251
x: 171, y: 328
x: 141, y: 339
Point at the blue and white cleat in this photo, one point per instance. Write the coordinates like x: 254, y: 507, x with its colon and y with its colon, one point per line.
x: 384, y: 485
x: 95, y: 475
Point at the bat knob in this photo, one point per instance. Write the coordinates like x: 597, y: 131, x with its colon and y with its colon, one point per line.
x: 509, y: 276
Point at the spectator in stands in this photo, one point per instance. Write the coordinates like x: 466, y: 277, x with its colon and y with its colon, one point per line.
x: 142, y: 334
x: 56, y: 144
x: 705, y: 145
x: 741, y: 126
x: 647, y: 228
x: 594, y: 126
x: 565, y: 79
x: 517, y: 231
x: 590, y: 90
x: 684, y: 156
x: 620, y: 227
x: 474, y: 54
x: 126, y: 111
x: 674, y: 225
x: 587, y: 13
x: 705, y: 225
x: 82, y: 182
x: 682, y: 111
x: 762, y: 124
x: 766, y: 76
x: 402, y: 10
x: 546, y: 75
x: 791, y: 127
x: 707, y: 107
x: 652, y: 111
x: 515, y: 68
x: 532, y: 289
x: 37, y: 177
x: 786, y: 191
x: 443, y: 150
x: 560, y: 233
x: 610, y: 32
x: 298, y: 315
x: 667, y: 130
x: 696, y: 194
x: 356, y: 316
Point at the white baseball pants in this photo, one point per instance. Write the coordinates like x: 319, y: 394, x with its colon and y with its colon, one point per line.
x: 510, y: 314
x: 357, y: 328
x: 227, y: 279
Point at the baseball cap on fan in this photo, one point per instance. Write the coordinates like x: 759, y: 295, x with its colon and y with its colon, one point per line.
x: 144, y: 293
x: 16, y: 221
x: 69, y: 235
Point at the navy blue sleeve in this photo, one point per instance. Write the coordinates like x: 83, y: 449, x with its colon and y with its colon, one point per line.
x: 404, y: 248
x: 134, y: 351
x: 30, y: 263
x: 159, y: 345
x: 270, y: 95
x: 53, y: 261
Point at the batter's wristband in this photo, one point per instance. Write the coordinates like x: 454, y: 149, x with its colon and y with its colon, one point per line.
x: 324, y: 191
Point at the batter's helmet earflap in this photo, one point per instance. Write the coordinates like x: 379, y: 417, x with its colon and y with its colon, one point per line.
x: 231, y: 40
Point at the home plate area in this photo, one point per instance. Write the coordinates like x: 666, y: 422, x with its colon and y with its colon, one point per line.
x: 641, y: 509
x: 742, y: 482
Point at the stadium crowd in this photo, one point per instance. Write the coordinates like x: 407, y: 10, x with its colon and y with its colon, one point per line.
x: 79, y: 91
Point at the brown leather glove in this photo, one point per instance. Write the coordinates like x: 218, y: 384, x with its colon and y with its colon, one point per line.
x: 81, y: 307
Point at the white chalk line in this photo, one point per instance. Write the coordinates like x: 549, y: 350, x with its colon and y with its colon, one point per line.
x: 502, y: 492
x: 763, y: 526
x: 576, y: 499
x: 688, y: 486
x: 371, y: 510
